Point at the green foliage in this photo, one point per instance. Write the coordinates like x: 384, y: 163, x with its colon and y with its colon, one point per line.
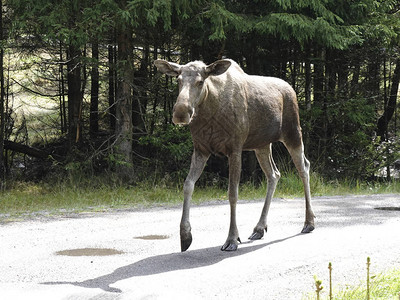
x: 222, y: 19
x: 150, y: 11
x: 351, y: 151
x: 170, y: 152
x: 59, y: 20
x: 383, y: 286
x: 352, y: 42
x: 301, y: 21
x: 354, y: 144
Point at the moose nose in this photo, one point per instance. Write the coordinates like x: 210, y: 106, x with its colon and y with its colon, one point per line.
x: 182, y: 114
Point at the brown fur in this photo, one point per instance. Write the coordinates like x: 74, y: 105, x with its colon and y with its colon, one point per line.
x: 229, y: 111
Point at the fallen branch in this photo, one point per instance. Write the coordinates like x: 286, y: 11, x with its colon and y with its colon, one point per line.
x: 28, y: 150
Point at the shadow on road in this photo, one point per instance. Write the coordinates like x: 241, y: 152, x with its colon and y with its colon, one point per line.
x: 167, y: 263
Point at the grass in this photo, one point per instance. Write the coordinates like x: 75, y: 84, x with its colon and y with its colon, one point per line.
x: 34, y: 198
x: 79, y: 194
x: 385, y: 286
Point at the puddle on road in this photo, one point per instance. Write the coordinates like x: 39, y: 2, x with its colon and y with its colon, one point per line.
x: 152, y: 237
x: 106, y: 251
x: 90, y: 252
x: 388, y: 208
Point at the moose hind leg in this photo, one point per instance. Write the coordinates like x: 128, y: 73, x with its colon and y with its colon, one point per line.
x: 266, y: 161
x: 303, y: 167
x: 235, y: 165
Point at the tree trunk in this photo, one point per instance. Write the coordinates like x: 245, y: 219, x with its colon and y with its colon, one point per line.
x: 308, y: 82
x: 342, y: 77
x: 63, y: 112
x: 354, y: 87
x: 111, y: 86
x: 123, y: 129
x: 156, y: 90
x: 25, y: 149
x: 372, y: 81
x: 330, y: 94
x: 74, y: 95
x: 139, y: 99
x: 319, y: 100
x: 2, y: 99
x: 390, y: 106
x: 318, y: 78
x: 94, y: 91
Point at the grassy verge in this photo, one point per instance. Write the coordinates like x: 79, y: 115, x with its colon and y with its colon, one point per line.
x: 385, y: 286
x: 94, y: 195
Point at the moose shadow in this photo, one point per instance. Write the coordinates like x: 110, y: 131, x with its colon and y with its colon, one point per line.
x: 167, y: 263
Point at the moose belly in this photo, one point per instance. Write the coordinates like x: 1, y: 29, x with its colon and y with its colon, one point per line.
x: 261, y: 138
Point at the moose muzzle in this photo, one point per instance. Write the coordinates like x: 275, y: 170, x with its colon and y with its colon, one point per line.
x: 182, y: 114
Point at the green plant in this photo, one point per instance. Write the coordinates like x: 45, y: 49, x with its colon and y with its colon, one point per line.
x: 383, y: 286
x: 368, y: 266
x: 318, y: 287
x: 168, y: 152
x: 330, y: 280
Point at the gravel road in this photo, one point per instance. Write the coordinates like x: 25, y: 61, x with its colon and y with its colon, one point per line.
x: 136, y: 254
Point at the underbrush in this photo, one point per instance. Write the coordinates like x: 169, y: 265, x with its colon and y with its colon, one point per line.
x: 79, y: 193
x: 385, y: 286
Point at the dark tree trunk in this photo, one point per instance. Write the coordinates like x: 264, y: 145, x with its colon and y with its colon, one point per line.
x: 74, y: 95
x: 390, y: 106
x: 156, y: 88
x: 330, y: 94
x: 318, y: 78
x: 111, y: 86
x: 139, y: 99
x: 308, y: 82
x: 319, y: 99
x: 2, y: 99
x: 124, y: 128
x: 63, y: 110
x: 373, y: 79
x: 94, y: 91
x: 342, y: 77
x: 25, y: 149
x: 355, y: 80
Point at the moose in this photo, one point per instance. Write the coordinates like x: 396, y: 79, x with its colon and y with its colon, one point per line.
x: 229, y: 111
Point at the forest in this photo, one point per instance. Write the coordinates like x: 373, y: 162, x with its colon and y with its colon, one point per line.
x: 79, y: 91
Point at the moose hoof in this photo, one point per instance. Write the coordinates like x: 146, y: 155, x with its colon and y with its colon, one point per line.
x: 186, y: 236
x: 186, y: 242
x: 308, y: 228
x: 231, y: 245
x: 257, y: 234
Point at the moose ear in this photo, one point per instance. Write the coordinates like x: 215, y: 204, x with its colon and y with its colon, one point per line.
x: 168, y: 68
x: 217, y: 68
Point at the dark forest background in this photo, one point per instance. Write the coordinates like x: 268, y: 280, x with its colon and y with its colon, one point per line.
x: 106, y: 111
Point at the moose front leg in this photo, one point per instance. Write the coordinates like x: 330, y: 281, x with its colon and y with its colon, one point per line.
x: 235, y: 165
x: 196, y: 168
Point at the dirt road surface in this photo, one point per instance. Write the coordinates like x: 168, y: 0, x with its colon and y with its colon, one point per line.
x: 138, y: 252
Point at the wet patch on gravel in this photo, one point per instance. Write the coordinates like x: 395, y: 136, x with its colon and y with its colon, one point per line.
x: 152, y: 237
x: 90, y: 252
